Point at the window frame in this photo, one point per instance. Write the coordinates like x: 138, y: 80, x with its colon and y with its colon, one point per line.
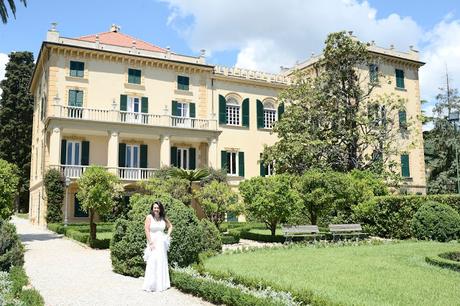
x: 269, y: 111
x: 183, y: 109
x: 77, y: 73
x: 71, y: 146
x: 408, y: 166
x: 232, y: 160
x: 180, y: 160
x: 181, y: 85
x: 373, y: 73
x: 133, y: 78
x: 131, y: 157
x: 401, y: 79
x: 76, y: 97
x: 233, y: 112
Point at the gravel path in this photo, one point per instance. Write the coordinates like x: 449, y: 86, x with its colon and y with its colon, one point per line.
x: 68, y: 273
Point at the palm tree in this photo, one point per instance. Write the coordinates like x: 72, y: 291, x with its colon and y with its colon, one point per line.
x: 4, y: 12
x: 189, y: 175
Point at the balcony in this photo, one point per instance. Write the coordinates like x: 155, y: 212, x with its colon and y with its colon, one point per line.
x: 125, y: 174
x: 116, y: 116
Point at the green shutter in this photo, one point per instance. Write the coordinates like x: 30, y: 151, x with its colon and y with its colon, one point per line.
x: 262, y: 167
x: 123, y: 103
x: 241, y: 164
x: 223, y: 160
x: 121, y: 154
x: 174, y: 111
x: 222, y: 110
x: 399, y: 78
x: 143, y: 156
x: 145, y: 105
x: 192, y: 158
x: 63, y: 151
x: 85, y: 153
x: 192, y: 110
x: 280, y: 111
x: 402, y: 119
x: 260, y: 114
x: 405, y: 171
x: 245, y: 106
x: 174, y: 156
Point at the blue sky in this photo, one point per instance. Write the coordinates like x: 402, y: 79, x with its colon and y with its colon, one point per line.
x: 258, y: 34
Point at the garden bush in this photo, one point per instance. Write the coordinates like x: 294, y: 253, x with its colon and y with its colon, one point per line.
x: 449, y: 260
x: 55, y: 191
x: 436, y: 221
x: 230, y: 239
x: 128, y: 241
x: 211, y: 238
x: 391, y: 216
x: 31, y: 297
x: 9, y: 181
x: 11, y: 248
x: 18, y: 279
x: 12, y: 292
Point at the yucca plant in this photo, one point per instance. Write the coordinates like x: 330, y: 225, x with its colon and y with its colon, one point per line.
x: 189, y: 175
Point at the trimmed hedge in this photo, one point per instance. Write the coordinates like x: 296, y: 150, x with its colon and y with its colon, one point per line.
x: 11, y: 248
x: 212, y: 240
x: 436, y: 221
x: 443, y: 261
x: 306, y: 296
x: 391, y: 216
x: 230, y: 239
x: 54, y: 183
x: 80, y: 233
x: 247, y: 234
x: 215, y: 293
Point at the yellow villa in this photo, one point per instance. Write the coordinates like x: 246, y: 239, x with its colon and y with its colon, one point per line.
x: 117, y: 101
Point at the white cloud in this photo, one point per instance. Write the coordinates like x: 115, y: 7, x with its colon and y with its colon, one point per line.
x: 271, y: 33
x: 3, y: 61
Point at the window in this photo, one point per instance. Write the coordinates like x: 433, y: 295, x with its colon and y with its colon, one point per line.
x: 405, y: 170
x: 402, y: 120
x: 182, y: 158
x: 134, y: 76
x: 269, y: 115
x: 77, y: 69
x: 183, y: 82
x: 42, y: 108
x: 73, y: 153
x: 232, y: 163
x: 373, y: 73
x: 75, y: 103
x: 183, y: 109
x: 399, y: 78
x: 233, y: 112
x: 132, y: 156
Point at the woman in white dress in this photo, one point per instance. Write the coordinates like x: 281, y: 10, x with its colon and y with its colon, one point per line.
x: 156, y: 272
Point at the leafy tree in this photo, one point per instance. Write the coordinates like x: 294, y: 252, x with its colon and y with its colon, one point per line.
x: 8, y: 188
x: 55, y: 191
x: 270, y: 199
x: 4, y: 12
x: 216, y: 199
x: 331, y: 120
x: 98, y: 191
x: 16, y: 112
x: 178, y: 188
x: 441, y: 142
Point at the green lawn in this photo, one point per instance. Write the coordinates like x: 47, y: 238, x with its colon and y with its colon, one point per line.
x: 390, y: 274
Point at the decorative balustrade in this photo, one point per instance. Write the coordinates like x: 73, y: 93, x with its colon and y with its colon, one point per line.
x: 252, y: 74
x: 93, y: 114
x: 124, y: 173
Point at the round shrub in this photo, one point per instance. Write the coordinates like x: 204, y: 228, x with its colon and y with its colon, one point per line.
x: 11, y: 248
x: 129, y: 240
x: 436, y: 221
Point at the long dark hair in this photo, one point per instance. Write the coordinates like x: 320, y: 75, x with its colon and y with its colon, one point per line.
x: 162, y: 209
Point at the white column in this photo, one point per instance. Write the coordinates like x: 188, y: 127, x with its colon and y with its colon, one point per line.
x: 165, y: 151
x: 212, y: 153
x: 112, y: 151
x: 55, y: 147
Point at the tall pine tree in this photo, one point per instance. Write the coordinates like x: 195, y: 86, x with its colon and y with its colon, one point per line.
x: 16, y: 113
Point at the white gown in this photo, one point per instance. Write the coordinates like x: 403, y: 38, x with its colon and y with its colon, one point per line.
x: 156, y: 273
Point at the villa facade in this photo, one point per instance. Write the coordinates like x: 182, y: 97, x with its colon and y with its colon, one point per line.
x: 113, y: 100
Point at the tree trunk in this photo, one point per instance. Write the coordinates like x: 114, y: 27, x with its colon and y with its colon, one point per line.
x: 313, y: 218
x: 92, y: 226
x: 273, y: 229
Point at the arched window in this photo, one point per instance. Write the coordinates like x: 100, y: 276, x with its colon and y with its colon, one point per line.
x: 233, y: 111
x: 269, y: 113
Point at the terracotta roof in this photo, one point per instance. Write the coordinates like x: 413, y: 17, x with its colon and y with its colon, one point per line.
x: 122, y: 40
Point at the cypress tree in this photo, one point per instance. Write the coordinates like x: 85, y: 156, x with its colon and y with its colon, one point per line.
x: 16, y: 115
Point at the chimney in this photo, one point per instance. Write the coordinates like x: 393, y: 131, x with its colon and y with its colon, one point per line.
x: 115, y: 28
x: 202, y: 56
x: 52, y: 34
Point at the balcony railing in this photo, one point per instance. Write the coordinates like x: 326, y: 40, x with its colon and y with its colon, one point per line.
x: 124, y: 173
x: 93, y: 114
